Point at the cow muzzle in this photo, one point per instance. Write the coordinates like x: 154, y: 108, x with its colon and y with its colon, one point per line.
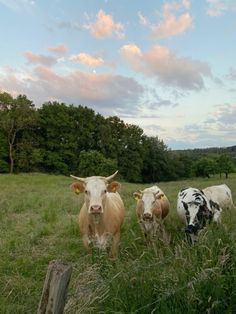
x: 147, y: 217
x: 95, y: 209
x: 191, y: 229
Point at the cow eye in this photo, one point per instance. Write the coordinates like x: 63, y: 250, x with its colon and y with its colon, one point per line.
x: 105, y: 191
x: 86, y: 191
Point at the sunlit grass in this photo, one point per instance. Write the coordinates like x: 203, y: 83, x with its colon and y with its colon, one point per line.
x: 38, y: 223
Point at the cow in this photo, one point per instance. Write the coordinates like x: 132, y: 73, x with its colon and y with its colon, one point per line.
x: 102, y: 213
x: 220, y: 194
x: 196, y: 211
x: 151, y: 208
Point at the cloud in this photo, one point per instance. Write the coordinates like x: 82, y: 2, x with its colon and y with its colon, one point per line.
x: 59, y: 49
x: 17, y: 4
x: 218, y: 130
x: 104, y: 93
x: 69, y: 25
x: 232, y: 74
x: 105, y: 26
x: 223, y: 114
x: 87, y: 59
x: 33, y: 58
x: 164, y: 65
x: 219, y: 7
x: 142, y: 19
x: 171, y: 25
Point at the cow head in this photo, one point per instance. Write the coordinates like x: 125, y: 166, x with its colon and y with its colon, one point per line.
x: 146, y: 203
x: 197, y: 214
x: 95, y: 190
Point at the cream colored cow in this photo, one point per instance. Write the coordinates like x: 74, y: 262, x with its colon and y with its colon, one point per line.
x: 152, y: 207
x: 102, y: 213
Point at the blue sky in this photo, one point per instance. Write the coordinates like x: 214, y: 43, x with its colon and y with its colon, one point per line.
x: 167, y: 66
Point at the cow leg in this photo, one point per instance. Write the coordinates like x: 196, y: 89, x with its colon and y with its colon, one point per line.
x: 114, y: 246
x: 87, y: 243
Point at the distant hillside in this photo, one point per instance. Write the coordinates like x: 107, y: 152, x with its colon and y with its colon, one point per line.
x: 211, y: 150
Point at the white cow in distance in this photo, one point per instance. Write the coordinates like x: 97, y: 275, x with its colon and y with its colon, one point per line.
x: 220, y: 194
x: 102, y: 213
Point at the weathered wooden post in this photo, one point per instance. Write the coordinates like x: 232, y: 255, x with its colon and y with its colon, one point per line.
x: 55, y: 288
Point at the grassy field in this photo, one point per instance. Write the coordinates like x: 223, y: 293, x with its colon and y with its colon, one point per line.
x: 38, y: 223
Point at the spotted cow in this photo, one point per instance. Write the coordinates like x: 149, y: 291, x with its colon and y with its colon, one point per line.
x: 196, y: 211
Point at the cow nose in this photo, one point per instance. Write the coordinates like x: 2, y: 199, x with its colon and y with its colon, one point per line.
x: 190, y: 229
x: 147, y: 216
x: 96, y: 208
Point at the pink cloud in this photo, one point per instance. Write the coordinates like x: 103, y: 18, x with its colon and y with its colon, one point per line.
x: 104, y: 26
x: 170, y: 24
x: 87, y: 59
x: 59, y: 49
x: 104, y: 93
x: 33, y: 58
x: 170, y: 69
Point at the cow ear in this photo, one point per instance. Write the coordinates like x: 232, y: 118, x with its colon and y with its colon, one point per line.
x: 77, y: 187
x: 137, y: 196
x: 113, y: 186
x: 159, y: 196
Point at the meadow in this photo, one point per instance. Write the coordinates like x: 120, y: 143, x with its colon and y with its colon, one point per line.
x: 38, y: 223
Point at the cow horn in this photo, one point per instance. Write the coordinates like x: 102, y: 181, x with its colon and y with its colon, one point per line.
x: 111, y: 177
x: 78, y: 178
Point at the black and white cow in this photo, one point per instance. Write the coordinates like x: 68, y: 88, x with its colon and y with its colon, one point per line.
x: 196, y: 210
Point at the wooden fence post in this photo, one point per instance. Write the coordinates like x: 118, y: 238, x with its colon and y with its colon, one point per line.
x: 55, y: 288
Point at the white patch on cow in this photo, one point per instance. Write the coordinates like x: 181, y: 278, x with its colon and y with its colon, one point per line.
x: 102, y: 241
x: 148, y: 200
x: 220, y: 194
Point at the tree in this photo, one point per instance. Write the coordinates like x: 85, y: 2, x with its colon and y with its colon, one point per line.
x: 93, y: 163
x: 16, y: 115
x: 205, y: 166
x: 225, y: 164
x: 157, y: 165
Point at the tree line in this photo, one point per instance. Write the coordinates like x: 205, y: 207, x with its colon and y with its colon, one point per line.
x: 63, y: 139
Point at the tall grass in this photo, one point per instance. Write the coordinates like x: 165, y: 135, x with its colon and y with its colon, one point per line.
x: 38, y: 223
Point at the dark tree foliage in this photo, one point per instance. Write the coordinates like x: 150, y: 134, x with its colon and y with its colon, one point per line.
x: 93, y: 163
x: 157, y: 165
x: 63, y: 139
x: 17, y: 116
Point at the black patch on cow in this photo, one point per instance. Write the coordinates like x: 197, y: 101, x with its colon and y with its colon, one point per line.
x: 214, y: 205
x: 182, y: 193
x: 186, y: 211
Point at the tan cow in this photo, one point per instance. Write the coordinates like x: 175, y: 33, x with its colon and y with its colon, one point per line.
x: 102, y: 213
x: 152, y: 207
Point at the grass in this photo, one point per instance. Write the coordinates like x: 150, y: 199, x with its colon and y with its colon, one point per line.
x: 38, y: 223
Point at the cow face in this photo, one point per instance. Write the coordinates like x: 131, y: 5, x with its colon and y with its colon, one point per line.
x: 146, y: 204
x: 95, y: 193
x: 196, y: 210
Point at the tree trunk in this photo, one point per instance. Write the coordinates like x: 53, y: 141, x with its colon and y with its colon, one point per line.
x: 11, y: 157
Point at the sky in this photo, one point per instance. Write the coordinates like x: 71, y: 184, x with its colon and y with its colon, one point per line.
x: 167, y: 66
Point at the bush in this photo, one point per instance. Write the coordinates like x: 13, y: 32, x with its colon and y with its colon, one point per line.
x: 93, y: 163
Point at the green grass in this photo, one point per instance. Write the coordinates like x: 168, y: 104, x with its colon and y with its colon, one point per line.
x: 38, y: 223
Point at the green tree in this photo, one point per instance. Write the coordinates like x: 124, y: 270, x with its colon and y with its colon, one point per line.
x: 93, y: 163
x: 157, y: 165
x: 205, y: 166
x: 16, y: 115
x: 225, y: 164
